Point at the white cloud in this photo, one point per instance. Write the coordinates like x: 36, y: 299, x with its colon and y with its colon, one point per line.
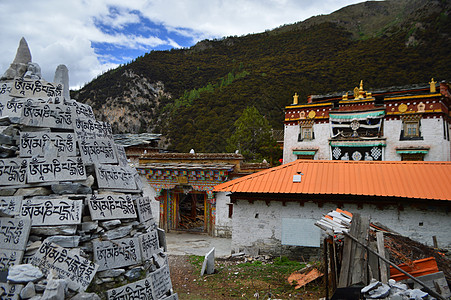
x: 62, y: 32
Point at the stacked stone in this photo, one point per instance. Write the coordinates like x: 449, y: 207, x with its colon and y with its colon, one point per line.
x: 73, y: 220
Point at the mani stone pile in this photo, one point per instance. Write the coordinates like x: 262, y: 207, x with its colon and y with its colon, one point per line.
x: 73, y: 220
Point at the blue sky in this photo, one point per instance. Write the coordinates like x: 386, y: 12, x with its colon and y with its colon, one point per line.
x: 93, y: 36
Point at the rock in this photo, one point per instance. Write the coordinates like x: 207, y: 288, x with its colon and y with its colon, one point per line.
x: 373, y: 284
x: 118, y: 233
x: 111, y: 273
x: 65, y: 241
x: 70, y: 188
x: 86, y: 296
x: 54, y: 230
x: 28, y: 291
x: 6, y: 139
x: 4, y: 191
x: 416, y: 294
x: 380, y: 292
x: 110, y: 224
x: 33, y: 71
x: 89, y: 226
x: 55, y: 290
x: 35, y: 191
x: 24, y: 273
x: 134, y: 274
x: 8, y: 151
x: 62, y: 77
x: 20, y: 63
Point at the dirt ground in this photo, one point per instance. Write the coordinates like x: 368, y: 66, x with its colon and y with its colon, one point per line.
x: 231, y: 282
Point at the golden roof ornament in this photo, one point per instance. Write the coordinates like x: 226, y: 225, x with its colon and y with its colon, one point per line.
x: 295, y: 98
x: 432, y: 88
x: 359, y: 93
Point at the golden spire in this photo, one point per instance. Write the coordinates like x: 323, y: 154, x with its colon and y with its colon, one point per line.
x: 432, y: 86
x: 295, y: 98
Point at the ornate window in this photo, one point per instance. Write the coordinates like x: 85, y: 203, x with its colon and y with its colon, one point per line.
x: 411, y: 127
x: 306, y: 132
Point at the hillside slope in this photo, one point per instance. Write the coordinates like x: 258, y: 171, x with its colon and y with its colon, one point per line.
x: 194, y: 95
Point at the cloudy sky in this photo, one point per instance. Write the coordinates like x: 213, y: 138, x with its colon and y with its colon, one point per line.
x: 92, y: 36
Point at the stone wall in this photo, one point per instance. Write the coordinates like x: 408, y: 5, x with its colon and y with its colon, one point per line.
x: 72, y: 211
x: 257, y: 227
x: 223, y: 226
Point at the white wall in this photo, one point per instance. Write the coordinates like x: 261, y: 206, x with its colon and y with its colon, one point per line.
x: 250, y: 231
x: 433, y: 137
x: 320, y: 142
x: 150, y: 192
x: 223, y: 224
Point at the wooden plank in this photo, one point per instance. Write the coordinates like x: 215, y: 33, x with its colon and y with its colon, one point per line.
x: 332, y: 262
x: 383, y: 267
x: 359, y: 267
x: 326, y: 268
x: 347, y: 253
x: 373, y: 263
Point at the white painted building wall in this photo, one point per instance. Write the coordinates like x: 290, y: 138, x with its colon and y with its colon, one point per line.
x: 432, y: 131
x: 223, y: 224
x: 257, y: 227
x: 150, y: 192
x: 320, y: 142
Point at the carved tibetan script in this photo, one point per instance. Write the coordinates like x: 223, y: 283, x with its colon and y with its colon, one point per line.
x: 13, y: 171
x: 32, y: 88
x: 57, y: 169
x: 78, y: 271
x: 115, y: 177
x: 47, y: 115
x: 116, y: 253
x: 59, y: 211
x: 47, y: 143
x: 111, y: 206
x: 98, y: 151
x: 14, y: 233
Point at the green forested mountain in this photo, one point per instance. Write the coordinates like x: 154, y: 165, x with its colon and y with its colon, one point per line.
x: 193, y: 96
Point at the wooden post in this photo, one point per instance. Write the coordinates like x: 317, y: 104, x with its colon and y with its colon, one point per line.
x: 381, y: 250
x: 326, y: 268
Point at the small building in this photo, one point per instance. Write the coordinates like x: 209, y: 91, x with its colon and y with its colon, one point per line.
x: 182, y: 184
x: 136, y: 145
x: 275, y: 209
x: 391, y: 124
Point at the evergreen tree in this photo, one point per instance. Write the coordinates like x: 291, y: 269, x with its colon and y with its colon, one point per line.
x: 253, y: 138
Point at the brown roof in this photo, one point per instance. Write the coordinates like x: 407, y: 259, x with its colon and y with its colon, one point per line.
x: 407, y: 179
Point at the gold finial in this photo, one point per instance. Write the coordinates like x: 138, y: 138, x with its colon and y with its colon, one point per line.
x: 295, y: 98
x: 361, y: 85
x: 356, y: 93
x: 432, y: 86
x: 345, y: 96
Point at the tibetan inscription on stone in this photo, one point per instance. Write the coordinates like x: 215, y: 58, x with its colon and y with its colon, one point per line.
x: 116, y: 253
x: 10, y: 205
x: 10, y: 257
x: 98, y: 151
x: 144, y: 209
x: 149, y: 244
x: 47, y: 144
x: 111, y: 206
x: 31, y: 88
x: 92, y: 129
x: 58, y: 211
x: 121, y: 155
x: 161, y: 281
x: 141, y: 289
x: 47, y: 115
x: 14, y: 233
x: 78, y: 271
x: 115, y: 177
x: 13, y: 171
x: 10, y: 291
x: 57, y: 169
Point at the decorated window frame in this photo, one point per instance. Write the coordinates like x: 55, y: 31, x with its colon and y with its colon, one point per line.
x: 306, y: 132
x: 411, y: 127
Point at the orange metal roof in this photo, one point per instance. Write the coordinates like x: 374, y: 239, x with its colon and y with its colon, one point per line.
x: 408, y: 179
